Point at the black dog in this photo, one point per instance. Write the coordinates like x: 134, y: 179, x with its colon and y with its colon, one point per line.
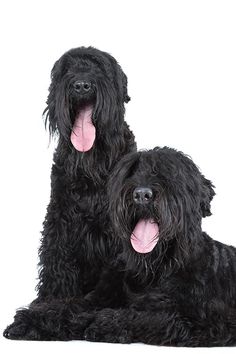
x: 178, y: 285
x: 85, y: 108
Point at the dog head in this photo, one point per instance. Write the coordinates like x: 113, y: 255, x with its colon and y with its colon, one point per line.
x: 157, y: 200
x: 86, y: 97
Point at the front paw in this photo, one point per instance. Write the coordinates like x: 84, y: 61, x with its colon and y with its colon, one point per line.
x: 109, y: 325
x: 96, y: 333
x: 26, y: 326
x: 21, y: 331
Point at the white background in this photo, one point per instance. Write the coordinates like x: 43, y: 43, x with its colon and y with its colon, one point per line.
x: 180, y: 58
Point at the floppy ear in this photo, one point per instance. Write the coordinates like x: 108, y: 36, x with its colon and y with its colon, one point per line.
x: 124, y: 169
x: 56, y: 98
x: 115, y: 187
x: 125, y: 88
x: 60, y: 67
x: 121, y: 78
x: 206, y: 197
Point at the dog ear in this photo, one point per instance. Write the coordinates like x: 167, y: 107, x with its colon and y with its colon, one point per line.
x: 54, y: 106
x: 55, y: 72
x: 59, y: 69
x: 61, y: 66
x: 206, y: 197
x: 125, y: 88
x: 121, y: 78
x: 123, y: 170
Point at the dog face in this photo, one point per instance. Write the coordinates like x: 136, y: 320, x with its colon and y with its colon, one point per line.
x: 157, y: 199
x: 86, y: 96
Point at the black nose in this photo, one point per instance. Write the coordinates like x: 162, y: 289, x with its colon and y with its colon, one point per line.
x: 82, y: 86
x: 142, y: 195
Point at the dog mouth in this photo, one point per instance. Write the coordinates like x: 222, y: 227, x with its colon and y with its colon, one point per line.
x: 83, y: 132
x: 145, y: 235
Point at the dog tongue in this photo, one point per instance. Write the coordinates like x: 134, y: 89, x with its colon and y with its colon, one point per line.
x: 145, y: 236
x: 84, y: 132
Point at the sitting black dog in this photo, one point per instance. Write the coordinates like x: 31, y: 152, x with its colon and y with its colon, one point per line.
x: 85, y: 108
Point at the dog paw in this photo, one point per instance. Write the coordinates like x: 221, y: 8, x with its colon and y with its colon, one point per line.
x: 21, y: 331
x: 94, y: 334
x: 90, y: 335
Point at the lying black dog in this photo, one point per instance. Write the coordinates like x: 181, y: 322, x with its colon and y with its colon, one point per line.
x: 171, y: 284
x: 85, y: 108
x: 179, y: 285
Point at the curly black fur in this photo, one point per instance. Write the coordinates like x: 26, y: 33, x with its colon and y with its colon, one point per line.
x: 77, y: 243
x: 183, y: 292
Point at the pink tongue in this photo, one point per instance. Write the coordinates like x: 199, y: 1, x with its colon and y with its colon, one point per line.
x: 84, y: 132
x: 145, y: 236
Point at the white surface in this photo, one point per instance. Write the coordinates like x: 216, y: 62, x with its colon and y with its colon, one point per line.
x: 180, y: 60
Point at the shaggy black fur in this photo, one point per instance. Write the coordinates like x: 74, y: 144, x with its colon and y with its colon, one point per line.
x: 77, y: 243
x: 183, y: 292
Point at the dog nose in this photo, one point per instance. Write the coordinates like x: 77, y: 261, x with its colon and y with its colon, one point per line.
x: 142, y: 195
x: 82, y: 86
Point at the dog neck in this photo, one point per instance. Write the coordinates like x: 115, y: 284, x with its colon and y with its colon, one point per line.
x: 165, y: 261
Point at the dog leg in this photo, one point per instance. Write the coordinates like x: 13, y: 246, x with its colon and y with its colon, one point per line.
x: 163, y: 328
x: 130, y: 326
x: 50, y: 321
